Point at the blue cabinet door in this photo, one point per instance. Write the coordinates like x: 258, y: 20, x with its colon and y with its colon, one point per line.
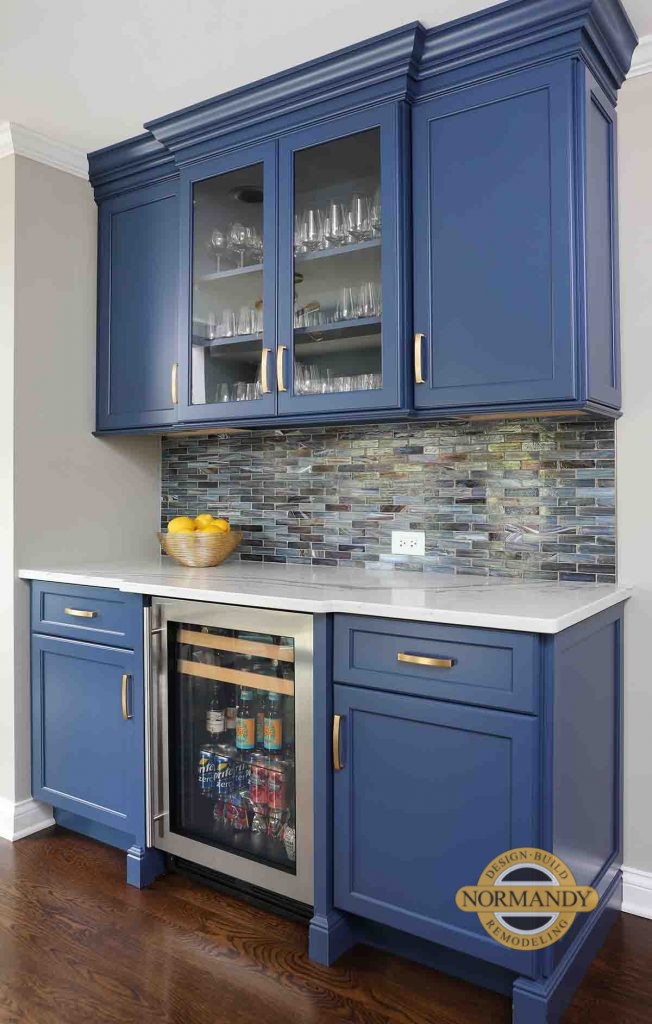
x: 138, y: 308
x: 494, y: 270
x: 343, y: 355
x: 428, y: 794
x: 88, y: 752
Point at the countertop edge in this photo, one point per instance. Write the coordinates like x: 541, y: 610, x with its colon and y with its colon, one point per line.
x: 488, y: 620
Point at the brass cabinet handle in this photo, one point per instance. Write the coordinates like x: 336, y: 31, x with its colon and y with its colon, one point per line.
x: 337, y: 725
x: 174, y: 384
x: 280, y: 382
x: 125, y: 706
x: 421, y: 659
x: 80, y: 613
x: 264, y: 374
x: 418, y: 359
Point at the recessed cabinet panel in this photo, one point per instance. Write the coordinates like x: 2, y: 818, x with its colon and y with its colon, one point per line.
x: 138, y: 308
x: 88, y: 731
x: 493, y: 243
x: 428, y: 794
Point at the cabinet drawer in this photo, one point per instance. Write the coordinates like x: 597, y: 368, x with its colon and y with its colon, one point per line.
x: 494, y: 668
x: 93, y: 614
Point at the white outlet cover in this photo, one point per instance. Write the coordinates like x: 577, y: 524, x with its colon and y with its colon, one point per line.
x: 408, y: 542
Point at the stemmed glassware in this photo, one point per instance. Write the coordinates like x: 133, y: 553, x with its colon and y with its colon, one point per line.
x: 335, y: 232
x: 312, y: 230
x: 218, y: 245
x: 238, y: 240
x: 359, y: 225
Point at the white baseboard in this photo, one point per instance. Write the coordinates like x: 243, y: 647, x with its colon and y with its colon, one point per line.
x: 637, y: 892
x: 23, y: 819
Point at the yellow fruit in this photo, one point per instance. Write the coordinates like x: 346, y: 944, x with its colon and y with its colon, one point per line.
x: 181, y: 524
x: 205, y: 519
x: 211, y: 528
x: 222, y: 524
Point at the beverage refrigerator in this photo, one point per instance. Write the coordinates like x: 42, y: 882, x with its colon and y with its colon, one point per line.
x: 229, y: 751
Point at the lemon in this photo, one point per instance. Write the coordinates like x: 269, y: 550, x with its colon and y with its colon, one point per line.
x: 222, y: 524
x: 205, y: 519
x: 181, y: 524
x: 211, y: 528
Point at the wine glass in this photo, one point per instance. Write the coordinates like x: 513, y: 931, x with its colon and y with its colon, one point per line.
x: 218, y: 245
x: 255, y: 245
x: 312, y: 230
x: 375, y: 214
x: 359, y: 227
x: 238, y: 240
x: 335, y: 231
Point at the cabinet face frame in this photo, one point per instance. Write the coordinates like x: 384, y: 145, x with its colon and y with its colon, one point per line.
x: 391, y: 119
x: 265, y: 406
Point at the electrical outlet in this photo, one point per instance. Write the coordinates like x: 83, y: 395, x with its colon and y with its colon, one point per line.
x: 408, y: 542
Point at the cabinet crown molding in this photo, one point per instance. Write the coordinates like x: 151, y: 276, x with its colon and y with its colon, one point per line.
x: 17, y: 140
x: 407, y: 63
x: 642, y: 59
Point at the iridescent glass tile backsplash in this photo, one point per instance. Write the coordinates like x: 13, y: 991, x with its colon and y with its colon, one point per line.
x: 529, y: 498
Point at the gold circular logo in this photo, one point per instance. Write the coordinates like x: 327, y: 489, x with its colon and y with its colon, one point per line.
x: 526, y: 898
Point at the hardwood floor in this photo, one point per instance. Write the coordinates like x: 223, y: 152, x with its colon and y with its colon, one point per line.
x: 78, y: 946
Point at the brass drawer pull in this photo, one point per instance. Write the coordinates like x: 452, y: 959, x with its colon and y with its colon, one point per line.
x: 264, y: 376
x: 418, y: 359
x: 280, y: 377
x: 80, y: 613
x: 126, y: 714
x: 174, y: 384
x: 337, y: 725
x: 421, y: 659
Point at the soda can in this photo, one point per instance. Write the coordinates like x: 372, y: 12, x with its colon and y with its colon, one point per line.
x: 206, y: 770
x: 276, y: 821
x: 277, y: 786
x: 224, y: 773
x: 258, y: 780
x: 236, y: 812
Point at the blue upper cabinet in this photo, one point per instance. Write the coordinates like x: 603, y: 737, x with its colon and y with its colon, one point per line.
x: 138, y: 308
x: 421, y: 224
x: 514, y: 244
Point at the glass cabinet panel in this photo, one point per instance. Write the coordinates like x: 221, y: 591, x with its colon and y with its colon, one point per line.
x: 227, y: 288
x: 232, y: 752
x: 337, y: 266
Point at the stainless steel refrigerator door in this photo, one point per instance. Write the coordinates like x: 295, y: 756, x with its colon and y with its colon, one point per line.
x: 297, y: 886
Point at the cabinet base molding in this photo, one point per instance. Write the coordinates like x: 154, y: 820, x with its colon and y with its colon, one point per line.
x: 21, y: 819
x: 637, y: 892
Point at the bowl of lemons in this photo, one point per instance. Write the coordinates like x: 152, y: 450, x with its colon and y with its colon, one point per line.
x: 199, y: 542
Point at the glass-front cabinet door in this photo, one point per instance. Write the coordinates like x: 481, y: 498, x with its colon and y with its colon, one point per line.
x: 340, y: 283
x: 234, y: 714
x: 229, y: 313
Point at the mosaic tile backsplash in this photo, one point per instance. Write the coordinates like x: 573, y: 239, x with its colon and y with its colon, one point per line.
x: 527, y: 498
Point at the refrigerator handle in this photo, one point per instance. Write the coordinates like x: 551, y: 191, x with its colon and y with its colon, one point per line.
x: 153, y: 738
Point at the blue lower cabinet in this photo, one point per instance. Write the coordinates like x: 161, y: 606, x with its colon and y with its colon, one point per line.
x: 88, y: 743
x: 428, y: 794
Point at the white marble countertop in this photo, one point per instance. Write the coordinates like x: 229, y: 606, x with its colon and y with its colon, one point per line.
x: 492, y: 602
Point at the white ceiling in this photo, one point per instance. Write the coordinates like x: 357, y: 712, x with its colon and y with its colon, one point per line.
x: 89, y: 74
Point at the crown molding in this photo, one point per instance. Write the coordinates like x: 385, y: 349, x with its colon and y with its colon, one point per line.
x: 642, y: 59
x: 16, y: 140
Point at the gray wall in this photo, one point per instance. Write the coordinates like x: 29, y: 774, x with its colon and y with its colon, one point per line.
x: 70, y: 495
x: 634, y: 442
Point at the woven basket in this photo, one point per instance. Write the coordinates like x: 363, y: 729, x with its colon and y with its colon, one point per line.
x: 198, y: 550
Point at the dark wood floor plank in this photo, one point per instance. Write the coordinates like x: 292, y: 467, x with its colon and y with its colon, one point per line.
x: 77, y: 946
